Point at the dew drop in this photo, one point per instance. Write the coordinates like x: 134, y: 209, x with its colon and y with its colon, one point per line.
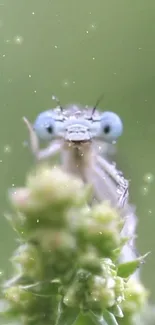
x: 148, y: 178
x: 18, y: 40
x: 7, y: 149
x: 65, y: 83
x: 144, y: 190
x: 92, y: 26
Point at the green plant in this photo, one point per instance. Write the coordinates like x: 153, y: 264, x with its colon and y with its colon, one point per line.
x: 67, y: 262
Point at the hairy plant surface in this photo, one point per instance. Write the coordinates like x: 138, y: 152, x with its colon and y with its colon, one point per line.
x: 67, y: 262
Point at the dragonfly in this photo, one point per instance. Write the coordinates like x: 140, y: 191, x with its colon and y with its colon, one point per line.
x: 81, y: 137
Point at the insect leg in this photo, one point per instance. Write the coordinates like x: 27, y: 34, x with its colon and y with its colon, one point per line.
x: 121, y: 183
x: 44, y: 153
x: 112, y: 171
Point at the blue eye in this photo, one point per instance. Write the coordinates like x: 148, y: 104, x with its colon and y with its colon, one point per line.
x: 44, y: 126
x: 111, y: 125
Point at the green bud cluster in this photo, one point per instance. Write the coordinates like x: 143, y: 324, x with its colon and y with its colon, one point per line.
x: 67, y: 261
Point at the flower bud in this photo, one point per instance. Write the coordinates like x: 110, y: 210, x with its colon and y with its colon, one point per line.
x: 28, y: 259
x: 135, y: 296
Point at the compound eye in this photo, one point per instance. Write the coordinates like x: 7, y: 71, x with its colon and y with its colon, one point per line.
x: 111, y: 125
x: 44, y: 126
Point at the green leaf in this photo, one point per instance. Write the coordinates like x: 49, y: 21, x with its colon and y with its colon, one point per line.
x: 126, y: 269
x: 109, y: 317
x: 97, y: 318
x: 106, y: 318
x: 117, y: 311
x: 66, y: 315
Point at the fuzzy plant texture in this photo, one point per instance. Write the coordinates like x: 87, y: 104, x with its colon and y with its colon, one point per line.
x: 66, y: 268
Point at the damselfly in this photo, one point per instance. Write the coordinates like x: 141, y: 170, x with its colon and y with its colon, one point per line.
x: 81, y: 137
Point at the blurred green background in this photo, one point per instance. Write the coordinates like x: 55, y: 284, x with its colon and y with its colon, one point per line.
x: 76, y: 50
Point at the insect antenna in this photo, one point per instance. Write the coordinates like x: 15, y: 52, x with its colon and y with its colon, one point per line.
x: 97, y: 103
x: 58, y: 102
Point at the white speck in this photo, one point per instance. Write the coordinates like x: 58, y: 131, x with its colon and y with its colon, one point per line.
x: 65, y: 83
x: 89, y: 12
x: 150, y: 211
x: 7, y: 41
x: 148, y: 178
x: 13, y: 185
x: 30, y: 76
x: 18, y: 40
x: 7, y: 149
x: 33, y: 13
x: 55, y: 46
x: 140, y: 48
x: 1, y: 161
x: 144, y: 190
x: 73, y: 82
x: 87, y: 31
x: 93, y: 58
x: 66, y: 300
x: 93, y: 26
x: 35, y: 91
x: 3, y: 55
x: 119, y: 299
x: 37, y: 220
x: 114, y: 73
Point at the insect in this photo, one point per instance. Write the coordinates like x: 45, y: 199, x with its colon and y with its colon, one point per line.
x: 81, y: 137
